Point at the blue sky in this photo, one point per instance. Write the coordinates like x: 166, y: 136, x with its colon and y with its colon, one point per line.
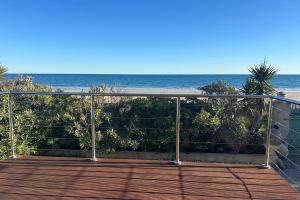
x: 149, y: 36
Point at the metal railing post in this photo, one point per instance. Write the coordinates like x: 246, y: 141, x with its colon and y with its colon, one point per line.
x: 94, y: 158
x: 11, y: 126
x: 177, y: 161
x: 269, y: 131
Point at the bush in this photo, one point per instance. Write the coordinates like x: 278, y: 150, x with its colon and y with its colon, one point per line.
x: 139, y: 124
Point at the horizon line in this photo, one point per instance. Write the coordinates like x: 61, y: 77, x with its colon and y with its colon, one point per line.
x: 21, y: 73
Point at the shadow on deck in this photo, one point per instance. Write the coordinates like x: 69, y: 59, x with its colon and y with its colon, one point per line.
x: 72, y: 178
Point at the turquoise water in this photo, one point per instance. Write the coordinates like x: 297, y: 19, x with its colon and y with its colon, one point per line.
x: 83, y: 81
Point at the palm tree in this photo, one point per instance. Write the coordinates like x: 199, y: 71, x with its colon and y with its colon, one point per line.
x: 261, y: 75
x: 3, y: 70
x: 259, y: 81
x: 259, y: 84
x: 249, y: 87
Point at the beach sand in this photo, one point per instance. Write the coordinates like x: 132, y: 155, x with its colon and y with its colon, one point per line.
x: 291, y: 95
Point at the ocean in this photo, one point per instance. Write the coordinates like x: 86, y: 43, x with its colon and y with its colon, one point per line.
x: 84, y: 81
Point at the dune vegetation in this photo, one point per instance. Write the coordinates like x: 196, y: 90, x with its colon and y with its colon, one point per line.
x: 136, y: 124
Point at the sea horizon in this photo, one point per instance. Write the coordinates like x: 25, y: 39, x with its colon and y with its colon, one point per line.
x: 149, y: 74
x: 282, y: 82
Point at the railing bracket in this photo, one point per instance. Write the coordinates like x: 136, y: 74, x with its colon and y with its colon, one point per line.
x: 175, y: 162
x: 263, y: 166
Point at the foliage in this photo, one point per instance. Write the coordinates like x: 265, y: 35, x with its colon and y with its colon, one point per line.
x: 143, y: 124
x: 258, y: 84
x: 250, y: 87
x: 260, y: 77
x: 3, y: 70
x: 134, y: 124
x: 220, y: 87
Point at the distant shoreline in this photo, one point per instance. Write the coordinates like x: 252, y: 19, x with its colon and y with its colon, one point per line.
x: 285, y: 90
x: 289, y: 94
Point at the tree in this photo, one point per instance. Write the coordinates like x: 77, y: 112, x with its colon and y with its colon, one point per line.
x: 219, y: 87
x: 258, y: 84
x: 3, y: 70
x: 249, y: 87
x: 259, y: 81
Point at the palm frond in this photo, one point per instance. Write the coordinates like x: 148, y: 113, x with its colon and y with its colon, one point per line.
x: 262, y: 74
x: 249, y: 87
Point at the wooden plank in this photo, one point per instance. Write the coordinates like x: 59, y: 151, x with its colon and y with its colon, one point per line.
x: 75, y: 178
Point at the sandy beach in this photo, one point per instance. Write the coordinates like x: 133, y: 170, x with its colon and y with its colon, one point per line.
x: 293, y: 95
x: 289, y: 94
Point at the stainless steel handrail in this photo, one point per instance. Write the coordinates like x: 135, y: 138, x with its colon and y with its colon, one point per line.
x: 139, y: 94
x: 292, y: 101
x: 285, y: 152
x: 171, y: 95
x: 269, y: 156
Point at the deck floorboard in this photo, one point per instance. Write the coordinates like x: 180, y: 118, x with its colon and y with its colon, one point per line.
x: 76, y: 178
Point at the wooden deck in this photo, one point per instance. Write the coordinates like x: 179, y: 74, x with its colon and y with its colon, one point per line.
x: 69, y: 178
